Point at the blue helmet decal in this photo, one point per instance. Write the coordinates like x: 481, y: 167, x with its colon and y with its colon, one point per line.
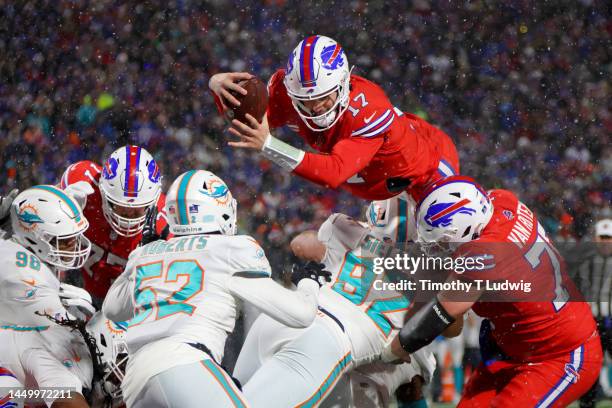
x: 441, y: 214
x: 109, y: 171
x: 154, y: 173
x: 332, y: 56
x: 289, y: 67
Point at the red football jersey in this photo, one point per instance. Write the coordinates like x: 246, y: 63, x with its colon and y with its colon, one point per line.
x: 109, y: 250
x: 546, y: 322
x: 372, y: 142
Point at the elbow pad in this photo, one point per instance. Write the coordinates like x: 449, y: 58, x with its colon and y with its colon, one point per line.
x: 422, y: 328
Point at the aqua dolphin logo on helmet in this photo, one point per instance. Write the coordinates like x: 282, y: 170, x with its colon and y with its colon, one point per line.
x: 441, y: 214
x: 376, y: 214
x: 218, y: 191
x: 29, y: 218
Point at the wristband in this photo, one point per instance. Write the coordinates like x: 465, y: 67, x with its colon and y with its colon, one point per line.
x: 281, y: 153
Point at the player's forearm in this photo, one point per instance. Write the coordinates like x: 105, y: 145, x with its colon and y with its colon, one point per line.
x: 292, y: 308
x: 119, y: 302
x: 348, y: 157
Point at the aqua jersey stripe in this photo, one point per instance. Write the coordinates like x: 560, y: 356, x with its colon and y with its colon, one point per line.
x: 181, y: 198
x: 223, y: 381
x: 24, y: 328
x: 328, y: 384
x: 69, y: 201
x: 402, y: 228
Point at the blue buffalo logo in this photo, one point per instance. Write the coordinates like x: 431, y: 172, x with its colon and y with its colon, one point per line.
x: 154, y: 173
x: 217, y: 191
x: 29, y: 218
x: 441, y: 215
x: 332, y: 57
x: 109, y: 171
x: 289, y: 67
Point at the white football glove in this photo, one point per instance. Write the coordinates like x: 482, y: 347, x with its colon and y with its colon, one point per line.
x: 79, y: 191
x: 77, y: 301
x: 5, y: 203
x: 387, y: 355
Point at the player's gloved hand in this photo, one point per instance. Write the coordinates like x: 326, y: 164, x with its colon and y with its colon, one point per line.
x: 5, y: 204
x: 393, y: 353
x: 224, y: 82
x: 79, y: 191
x: 77, y: 301
x: 149, y: 232
x: 310, y: 270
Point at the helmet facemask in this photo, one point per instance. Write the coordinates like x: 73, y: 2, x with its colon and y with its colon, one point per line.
x: 122, y: 225
x: 326, y: 120
x: 60, y: 254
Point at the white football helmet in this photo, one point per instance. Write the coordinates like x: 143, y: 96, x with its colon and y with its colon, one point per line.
x: 453, y: 210
x: 130, y: 179
x: 51, y: 224
x: 199, y: 202
x: 392, y: 220
x: 316, y: 68
x: 112, y: 354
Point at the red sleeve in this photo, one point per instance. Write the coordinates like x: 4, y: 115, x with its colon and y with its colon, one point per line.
x: 347, y: 158
x: 278, y: 100
x: 162, y: 220
x: 81, y: 171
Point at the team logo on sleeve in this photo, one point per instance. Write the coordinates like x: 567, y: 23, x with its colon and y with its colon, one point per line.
x: 332, y: 57
x: 441, y: 215
x: 28, y: 217
x: 154, y: 173
x: 109, y: 171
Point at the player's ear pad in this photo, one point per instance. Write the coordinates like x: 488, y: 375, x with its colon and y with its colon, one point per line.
x: 397, y: 184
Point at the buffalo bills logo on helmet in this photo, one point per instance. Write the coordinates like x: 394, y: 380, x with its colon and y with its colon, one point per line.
x: 332, y: 56
x: 109, y: 171
x: 441, y: 215
x: 154, y: 173
x: 289, y: 67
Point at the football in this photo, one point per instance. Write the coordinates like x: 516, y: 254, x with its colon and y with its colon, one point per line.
x: 255, y: 102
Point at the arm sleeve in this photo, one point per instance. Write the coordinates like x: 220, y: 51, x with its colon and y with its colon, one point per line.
x: 26, y: 300
x: 119, y: 303
x: 348, y: 157
x: 295, y: 309
x: 85, y: 170
x: 49, y: 372
x: 341, y: 232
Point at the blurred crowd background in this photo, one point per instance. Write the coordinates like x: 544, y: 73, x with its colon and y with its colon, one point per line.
x: 523, y: 88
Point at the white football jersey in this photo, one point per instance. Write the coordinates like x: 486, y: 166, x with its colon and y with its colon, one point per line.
x: 27, y: 286
x: 181, y: 288
x: 370, y: 317
x: 56, y: 357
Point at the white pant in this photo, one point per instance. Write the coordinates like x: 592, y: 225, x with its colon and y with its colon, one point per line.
x: 304, y: 371
x: 370, y: 385
x: 194, y: 385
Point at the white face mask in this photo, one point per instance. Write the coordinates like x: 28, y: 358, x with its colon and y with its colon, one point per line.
x: 325, y: 120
